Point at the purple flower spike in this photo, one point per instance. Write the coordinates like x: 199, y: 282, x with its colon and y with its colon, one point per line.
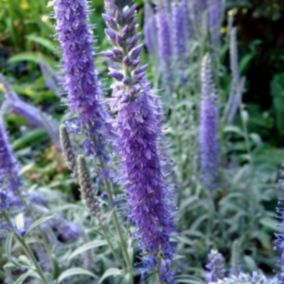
x: 165, y: 47
x: 150, y: 29
x: 81, y: 81
x: 139, y: 130
x: 216, y: 16
x: 215, y: 266
x: 10, y: 179
x: 180, y: 32
x: 180, y: 29
x: 208, y: 132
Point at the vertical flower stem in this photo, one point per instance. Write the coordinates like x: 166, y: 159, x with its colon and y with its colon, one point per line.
x: 27, y: 250
x: 123, y: 241
x: 117, y: 225
x: 106, y: 235
x: 211, y: 212
x: 158, y: 278
x: 246, y: 133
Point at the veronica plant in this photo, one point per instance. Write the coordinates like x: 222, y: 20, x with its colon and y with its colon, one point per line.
x: 208, y: 131
x: 150, y: 29
x: 139, y: 129
x: 180, y: 32
x: 165, y: 46
x: 81, y: 80
x: 238, y: 82
x: 216, y: 10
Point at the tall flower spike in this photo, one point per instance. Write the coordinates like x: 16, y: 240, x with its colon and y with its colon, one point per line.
x: 180, y: 32
x: 165, y: 45
x: 9, y: 168
x: 150, y: 29
x: 215, y: 266
x: 180, y: 39
x: 208, y: 129
x: 81, y: 81
x: 216, y: 10
x: 237, y: 85
x: 139, y: 129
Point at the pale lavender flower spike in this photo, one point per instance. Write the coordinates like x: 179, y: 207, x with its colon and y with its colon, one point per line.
x: 81, y: 80
x: 139, y: 130
x: 216, y: 10
x: 10, y: 179
x: 13, y: 103
x: 165, y: 45
x: 51, y: 78
x: 208, y: 129
x: 180, y: 30
x: 150, y: 29
x: 238, y: 82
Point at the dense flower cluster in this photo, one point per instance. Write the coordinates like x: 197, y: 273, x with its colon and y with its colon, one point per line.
x: 81, y: 80
x: 139, y: 130
x: 208, y: 132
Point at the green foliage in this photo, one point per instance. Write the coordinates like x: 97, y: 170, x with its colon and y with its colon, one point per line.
x: 277, y: 92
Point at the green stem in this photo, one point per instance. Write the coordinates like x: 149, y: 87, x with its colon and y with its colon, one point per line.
x: 118, y: 228
x: 106, y: 235
x: 211, y: 211
x: 32, y: 257
x: 159, y: 257
x: 27, y: 250
x: 246, y: 134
